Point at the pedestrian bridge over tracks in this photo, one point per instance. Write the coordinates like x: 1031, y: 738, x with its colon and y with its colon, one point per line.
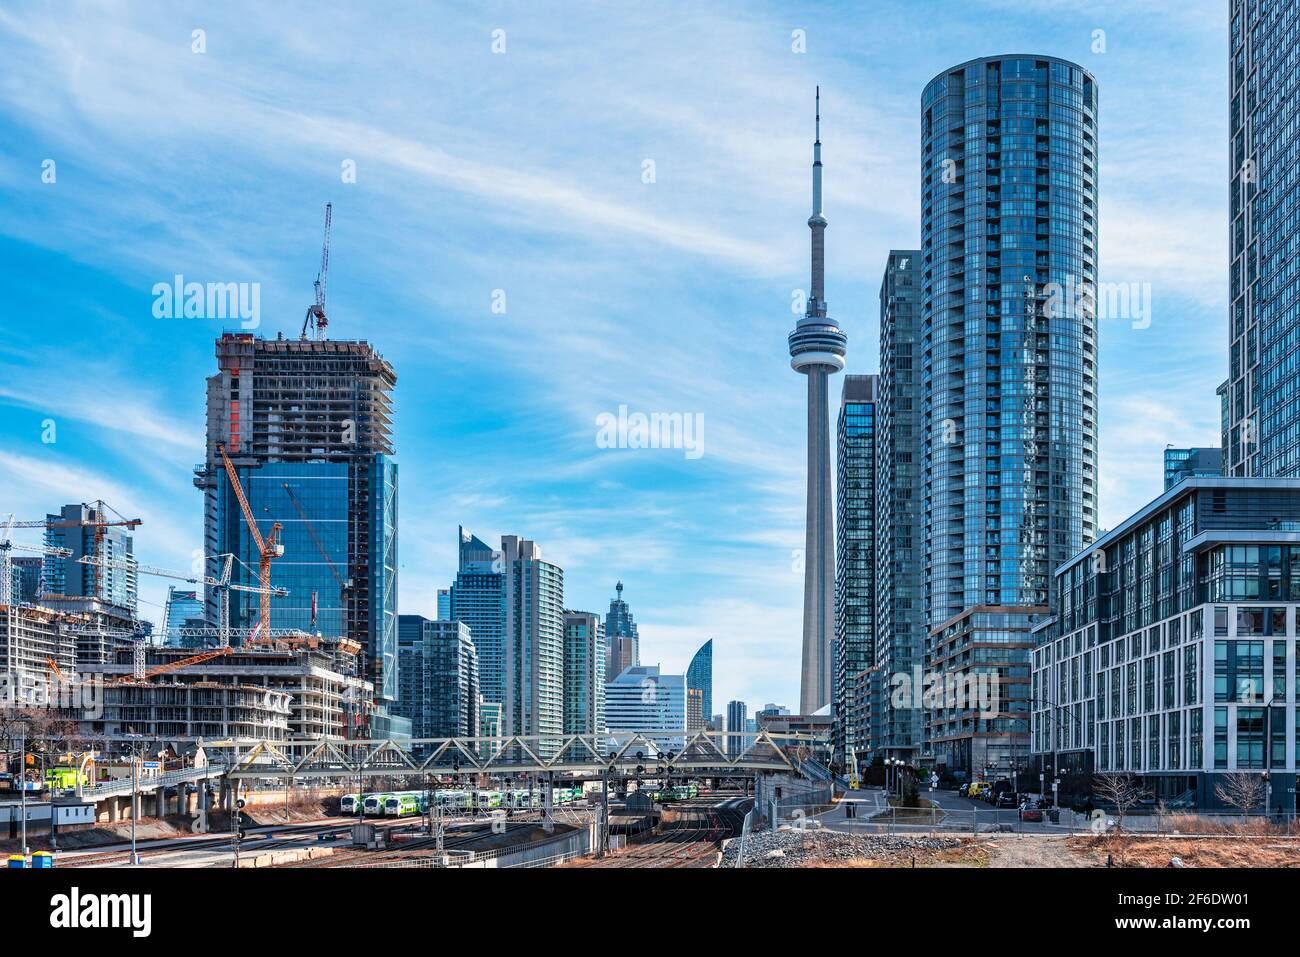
x: 698, y: 753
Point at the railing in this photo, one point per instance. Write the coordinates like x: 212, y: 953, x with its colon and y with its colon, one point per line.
x: 103, y: 789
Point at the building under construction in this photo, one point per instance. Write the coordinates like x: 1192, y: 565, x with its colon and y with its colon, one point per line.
x: 307, y: 426
x: 237, y: 693
x: 30, y: 638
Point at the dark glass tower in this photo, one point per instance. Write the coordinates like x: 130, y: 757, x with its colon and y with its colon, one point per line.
x: 699, y: 677
x: 856, y: 546
x: 900, y: 611
x: 1009, y: 400
x: 1260, y: 402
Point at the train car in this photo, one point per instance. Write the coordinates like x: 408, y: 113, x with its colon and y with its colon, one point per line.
x: 373, y: 804
x: 405, y: 804
x: 348, y: 803
x: 486, y: 800
x: 521, y: 798
x: 454, y: 800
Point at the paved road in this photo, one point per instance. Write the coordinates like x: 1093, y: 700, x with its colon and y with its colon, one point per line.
x: 956, y: 813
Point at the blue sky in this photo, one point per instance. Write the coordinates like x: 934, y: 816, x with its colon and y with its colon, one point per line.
x: 522, y: 172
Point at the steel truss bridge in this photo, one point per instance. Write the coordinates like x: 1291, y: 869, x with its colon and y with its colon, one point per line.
x: 717, y: 752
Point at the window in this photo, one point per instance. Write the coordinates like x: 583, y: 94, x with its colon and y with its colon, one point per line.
x: 1220, y: 737
x: 1250, y: 737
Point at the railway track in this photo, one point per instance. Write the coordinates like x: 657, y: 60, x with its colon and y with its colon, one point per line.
x: 692, y: 840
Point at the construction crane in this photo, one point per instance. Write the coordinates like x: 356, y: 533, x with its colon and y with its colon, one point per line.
x: 267, y: 549
x: 6, y: 560
x: 200, y: 658
x: 98, y: 522
x: 316, y: 320
x: 223, y: 585
x: 55, y: 670
x: 344, y: 585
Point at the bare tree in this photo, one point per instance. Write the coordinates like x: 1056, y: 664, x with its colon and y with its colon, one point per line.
x: 1118, y: 788
x: 1241, y: 790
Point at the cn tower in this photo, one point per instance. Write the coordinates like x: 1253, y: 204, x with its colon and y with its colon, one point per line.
x: 817, y: 347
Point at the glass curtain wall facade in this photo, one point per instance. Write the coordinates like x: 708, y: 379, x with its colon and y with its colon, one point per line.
x: 1171, y: 651
x: 855, y: 550
x: 699, y: 677
x: 900, y: 610
x: 1260, y: 405
x: 1009, y: 353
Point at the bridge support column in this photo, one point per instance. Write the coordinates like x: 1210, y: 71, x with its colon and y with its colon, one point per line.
x: 160, y: 801
x: 114, y: 810
x: 602, y: 834
x: 548, y: 801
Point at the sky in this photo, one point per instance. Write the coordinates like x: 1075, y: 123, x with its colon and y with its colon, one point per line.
x: 557, y: 210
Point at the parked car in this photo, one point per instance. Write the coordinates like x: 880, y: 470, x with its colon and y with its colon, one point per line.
x: 1007, y: 799
x: 1031, y: 815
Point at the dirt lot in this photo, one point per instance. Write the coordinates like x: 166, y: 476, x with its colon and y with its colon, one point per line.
x: 1219, y: 851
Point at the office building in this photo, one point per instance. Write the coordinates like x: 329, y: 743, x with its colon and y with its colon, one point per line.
x: 438, y: 681
x: 699, y: 676
x: 644, y: 701
x: 900, y: 607
x: 1191, y: 463
x: 817, y: 347
x: 307, y: 425
x: 694, y: 709
x: 584, y: 673
x: 1260, y: 406
x: 856, y: 544
x: 1170, y: 654
x: 1008, y: 371
x: 624, y: 649
x: 736, y: 722
x: 183, y: 618
x: 444, y: 604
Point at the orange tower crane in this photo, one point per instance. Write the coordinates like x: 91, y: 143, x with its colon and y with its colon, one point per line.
x: 268, y: 548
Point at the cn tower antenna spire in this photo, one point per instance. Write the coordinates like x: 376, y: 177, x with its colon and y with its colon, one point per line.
x: 817, y: 347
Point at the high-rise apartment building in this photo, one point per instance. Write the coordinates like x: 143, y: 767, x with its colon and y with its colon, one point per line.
x: 513, y: 602
x: 307, y: 425
x: 182, y: 616
x: 584, y: 673
x: 437, y: 678
x: 856, y: 545
x: 1009, y: 377
x: 1260, y: 405
x: 72, y: 528
x: 900, y: 607
x: 478, y: 598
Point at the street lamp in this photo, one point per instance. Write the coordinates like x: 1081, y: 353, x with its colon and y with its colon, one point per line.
x: 24, y: 722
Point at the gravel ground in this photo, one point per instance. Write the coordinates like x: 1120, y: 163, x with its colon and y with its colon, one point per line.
x: 797, y: 848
